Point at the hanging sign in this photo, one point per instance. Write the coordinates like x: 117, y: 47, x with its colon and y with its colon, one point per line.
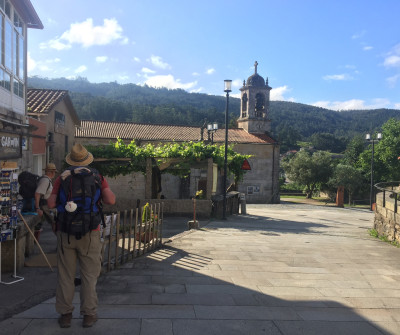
x: 246, y: 165
x: 10, y: 145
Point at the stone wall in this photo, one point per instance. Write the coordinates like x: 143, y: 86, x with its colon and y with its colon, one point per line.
x: 387, y: 217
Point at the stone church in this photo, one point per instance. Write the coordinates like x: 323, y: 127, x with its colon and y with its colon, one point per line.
x: 262, y: 184
x: 252, y: 137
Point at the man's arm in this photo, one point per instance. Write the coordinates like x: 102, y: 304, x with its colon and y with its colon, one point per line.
x: 37, y: 203
x: 52, y: 200
x: 107, y: 195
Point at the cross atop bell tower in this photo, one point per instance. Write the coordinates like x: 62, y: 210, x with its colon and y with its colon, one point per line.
x: 254, y: 109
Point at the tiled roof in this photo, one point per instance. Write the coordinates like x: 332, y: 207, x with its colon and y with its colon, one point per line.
x: 42, y: 100
x: 156, y: 132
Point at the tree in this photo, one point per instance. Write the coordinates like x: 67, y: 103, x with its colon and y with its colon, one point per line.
x: 354, y: 149
x: 328, y: 142
x: 349, y: 177
x: 386, y: 153
x: 309, y: 170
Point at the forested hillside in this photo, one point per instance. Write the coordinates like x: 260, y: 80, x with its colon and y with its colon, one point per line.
x: 291, y: 121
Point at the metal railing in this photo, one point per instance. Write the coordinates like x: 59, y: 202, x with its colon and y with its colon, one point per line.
x: 389, y: 190
x: 126, y: 236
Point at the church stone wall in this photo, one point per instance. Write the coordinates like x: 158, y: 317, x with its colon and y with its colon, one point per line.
x: 260, y: 184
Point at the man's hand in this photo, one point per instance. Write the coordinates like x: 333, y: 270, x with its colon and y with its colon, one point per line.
x: 39, y: 211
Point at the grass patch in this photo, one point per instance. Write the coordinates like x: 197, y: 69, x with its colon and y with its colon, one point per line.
x: 293, y: 196
x: 374, y: 233
x: 356, y: 206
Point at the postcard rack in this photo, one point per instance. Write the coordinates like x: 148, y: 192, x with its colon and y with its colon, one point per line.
x: 9, y: 215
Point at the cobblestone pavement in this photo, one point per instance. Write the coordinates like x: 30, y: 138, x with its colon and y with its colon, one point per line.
x: 280, y: 269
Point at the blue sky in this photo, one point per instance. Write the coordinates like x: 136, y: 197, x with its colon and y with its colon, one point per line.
x: 342, y: 54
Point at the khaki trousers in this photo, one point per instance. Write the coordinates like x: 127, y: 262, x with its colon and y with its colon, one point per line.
x: 87, y: 251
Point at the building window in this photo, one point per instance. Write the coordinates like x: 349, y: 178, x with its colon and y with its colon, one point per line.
x: 8, y: 50
x: 244, y: 102
x: 18, y: 88
x: 5, y: 80
x: 12, y: 44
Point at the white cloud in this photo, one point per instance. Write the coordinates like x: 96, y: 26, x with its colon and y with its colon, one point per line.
x: 168, y: 81
x: 353, y: 104
x: 392, y: 61
x: 358, y: 34
x: 31, y: 63
x: 101, y: 59
x: 210, y: 71
x: 367, y: 48
x: 42, y: 66
x: 158, y: 62
x: 392, y: 58
x: 55, y: 44
x: 397, y: 105
x: 80, y: 69
x: 86, y: 34
x: 123, y: 78
x: 147, y: 70
x: 196, y: 74
x: 237, y: 83
x: 197, y: 90
x: 392, y: 81
x: 136, y: 59
x: 277, y: 93
x: 343, y: 76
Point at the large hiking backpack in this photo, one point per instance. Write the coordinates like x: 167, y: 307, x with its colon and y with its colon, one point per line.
x: 83, y: 191
x: 28, y: 183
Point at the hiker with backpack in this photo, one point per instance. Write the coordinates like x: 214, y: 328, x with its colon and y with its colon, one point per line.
x: 42, y: 193
x: 78, y: 193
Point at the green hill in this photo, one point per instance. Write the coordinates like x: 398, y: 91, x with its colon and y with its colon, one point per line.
x: 130, y: 102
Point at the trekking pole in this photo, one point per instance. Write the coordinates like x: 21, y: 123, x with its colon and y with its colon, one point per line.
x: 37, y: 242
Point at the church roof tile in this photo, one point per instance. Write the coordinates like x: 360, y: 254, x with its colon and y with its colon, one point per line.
x: 157, y: 132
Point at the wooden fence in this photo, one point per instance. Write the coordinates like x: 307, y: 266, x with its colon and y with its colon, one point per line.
x: 128, y: 235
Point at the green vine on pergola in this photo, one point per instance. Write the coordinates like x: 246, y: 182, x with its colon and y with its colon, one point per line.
x: 122, y: 159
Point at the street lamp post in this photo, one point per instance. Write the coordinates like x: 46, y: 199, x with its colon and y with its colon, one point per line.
x: 212, y: 128
x: 228, y: 88
x: 369, y: 138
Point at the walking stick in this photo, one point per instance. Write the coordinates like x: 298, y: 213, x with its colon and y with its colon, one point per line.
x: 37, y: 242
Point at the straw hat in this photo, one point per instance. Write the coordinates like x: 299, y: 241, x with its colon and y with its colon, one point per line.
x: 79, y: 156
x: 51, y: 167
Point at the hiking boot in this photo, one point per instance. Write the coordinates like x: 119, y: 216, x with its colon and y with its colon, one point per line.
x: 65, y: 320
x: 89, y: 320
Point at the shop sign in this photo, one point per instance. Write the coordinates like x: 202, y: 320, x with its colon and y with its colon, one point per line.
x: 10, y: 146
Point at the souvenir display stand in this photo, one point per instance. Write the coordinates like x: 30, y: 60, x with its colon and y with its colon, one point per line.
x: 9, y: 214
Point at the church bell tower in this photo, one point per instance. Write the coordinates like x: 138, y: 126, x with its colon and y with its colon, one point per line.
x: 254, y: 106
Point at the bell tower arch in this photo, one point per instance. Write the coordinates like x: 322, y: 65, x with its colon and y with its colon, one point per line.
x: 254, y: 106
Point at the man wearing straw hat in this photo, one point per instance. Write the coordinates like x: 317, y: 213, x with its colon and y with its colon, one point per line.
x: 85, y: 247
x: 42, y: 193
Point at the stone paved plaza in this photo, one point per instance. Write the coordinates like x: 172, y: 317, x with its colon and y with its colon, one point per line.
x: 280, y: 269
